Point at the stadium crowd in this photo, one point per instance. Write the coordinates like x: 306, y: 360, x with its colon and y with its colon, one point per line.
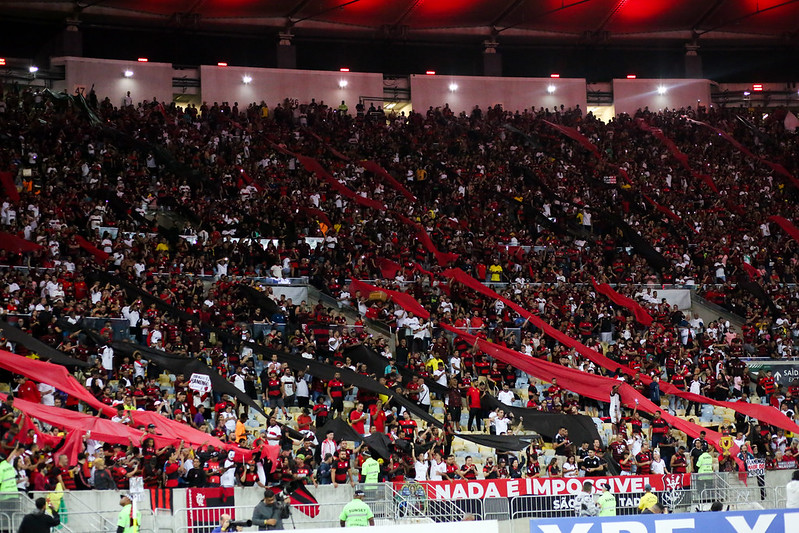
x: 517, y: 203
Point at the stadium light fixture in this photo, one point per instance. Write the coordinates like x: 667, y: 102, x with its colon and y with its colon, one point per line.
x: 631, y: 76
x: 662, y: 90
x: 247, y: 79
x: 747, y: 93
x: 33, y: 69
x: 342, y: 83
x: 2, y: 61
x: 128, y: 73
x: 430, y: 72
x: 757, y: 87
x: 551, y: 89
x: 344, y: 69
x: 221, y: 64
x: 142, y: 60
x: 554, y: 75
x: 453, y: 87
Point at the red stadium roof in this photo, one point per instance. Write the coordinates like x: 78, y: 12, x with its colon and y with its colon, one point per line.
x: 558, y: 20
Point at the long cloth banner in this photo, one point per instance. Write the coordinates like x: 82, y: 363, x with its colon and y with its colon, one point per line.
x: 764, y: 413
x: 676, y: 152
x: 510, y: 488
x: 619, y: 299
x: 776, y: 167
x: 402, y: 299
x: 443, y: 258
x: 12, y: 243
x: 786, y: 225
x: 7, y: 182
x: 588, y: 385
x: 377, y: 170
x: 51, y: 374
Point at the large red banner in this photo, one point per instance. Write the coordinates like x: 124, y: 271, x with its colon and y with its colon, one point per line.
x: 509, y: 488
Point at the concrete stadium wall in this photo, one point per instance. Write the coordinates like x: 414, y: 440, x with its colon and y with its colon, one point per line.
x: 632, y: 95
x: 274, y: 85
x: 515, y: 94
x: 149, y: 80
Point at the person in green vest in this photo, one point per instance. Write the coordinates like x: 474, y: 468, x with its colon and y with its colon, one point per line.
x: 704, y: 465
x: 9, y: 496
x: 129, y: 519
x: 342, y: 109
x: 370, y: 469
x: 356, y: 513
x: 607, y: 503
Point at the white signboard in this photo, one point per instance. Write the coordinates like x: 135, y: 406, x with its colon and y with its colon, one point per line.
x: 200, y: 382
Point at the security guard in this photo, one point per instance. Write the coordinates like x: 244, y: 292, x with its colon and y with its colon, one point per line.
x: 357, y: 513
x: 370, y: 469
x: 607, y: 503
x: 128, y: 519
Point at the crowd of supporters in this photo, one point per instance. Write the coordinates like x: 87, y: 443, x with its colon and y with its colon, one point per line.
x: 532, y: 211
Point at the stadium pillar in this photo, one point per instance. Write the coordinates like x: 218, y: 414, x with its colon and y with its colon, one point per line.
x: 286, y: 51
x: 492, y: 61
x: 693, y: 63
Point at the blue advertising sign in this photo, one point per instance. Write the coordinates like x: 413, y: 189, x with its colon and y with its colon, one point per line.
x: 765, y: 521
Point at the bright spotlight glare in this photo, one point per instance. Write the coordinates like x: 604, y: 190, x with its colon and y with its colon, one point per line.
x: 343, y: 83
x: 246, y: 78
x: 33, y: 70
x: 453, y: 87
x: 551, y: 89
x: 128, y: 73
x: 662, y: 90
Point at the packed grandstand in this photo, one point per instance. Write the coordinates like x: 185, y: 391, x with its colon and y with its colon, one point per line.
x: 485, y: 284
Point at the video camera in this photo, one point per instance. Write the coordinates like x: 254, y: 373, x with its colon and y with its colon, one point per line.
x: 240, y: 523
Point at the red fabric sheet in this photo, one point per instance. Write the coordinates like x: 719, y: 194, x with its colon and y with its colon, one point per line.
x: 52, y: 374
x: 754, y: 274
x: 99, y: 255
x: 764, y: 413
x: 588, y: 385
x: 312, y: 165
x: 744, y: 150
x: 676, y: 152
x: 665, y: 210
x: 640, y: 313
x: 388, y: 268
x: 7, y: 181
x: 443, y: 258
x: 319, y: 214
x: 786, y: 225
x: 376, y: 169
x: 12, y: 243
x: 405, y: 301
x: 573, y: 134
x: 249, y: 181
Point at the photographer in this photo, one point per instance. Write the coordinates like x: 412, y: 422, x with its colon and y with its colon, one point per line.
x: 226, y: 524
x: 268, y: 513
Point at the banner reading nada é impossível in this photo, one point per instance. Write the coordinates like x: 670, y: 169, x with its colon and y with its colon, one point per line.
x: 509, y: 488
x: 761, y: 521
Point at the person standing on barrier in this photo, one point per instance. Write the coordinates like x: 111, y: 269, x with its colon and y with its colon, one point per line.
x: 39, y: 521
x: 607, y: 503
x: 357, y: 513
x: 584, y: 504
x: 128, y: 519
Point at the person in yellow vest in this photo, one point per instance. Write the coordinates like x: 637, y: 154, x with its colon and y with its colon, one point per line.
x: 129, y: 518
x: 342, y: 109
x: 704, y: 464
x: 607, y: 503
x: 648, y: 499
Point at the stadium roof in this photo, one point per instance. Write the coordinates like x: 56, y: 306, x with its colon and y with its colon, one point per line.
x: 638, y: 21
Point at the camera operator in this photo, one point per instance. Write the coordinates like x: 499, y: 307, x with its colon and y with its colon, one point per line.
x: 268, y: 514
x: 225, y: 524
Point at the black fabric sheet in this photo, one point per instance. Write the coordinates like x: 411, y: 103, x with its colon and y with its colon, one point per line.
x: 45, y: 351
x: 581, y: 428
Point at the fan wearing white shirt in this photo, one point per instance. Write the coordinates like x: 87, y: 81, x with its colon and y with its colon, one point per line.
x: 506, y: 396
x: 438, y: 468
